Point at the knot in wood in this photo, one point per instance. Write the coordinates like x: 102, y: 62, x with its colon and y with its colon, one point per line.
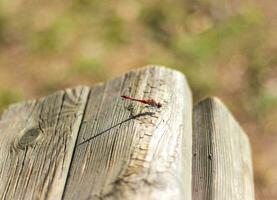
x: 28, y: 138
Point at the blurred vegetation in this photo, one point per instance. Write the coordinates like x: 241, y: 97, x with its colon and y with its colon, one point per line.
x: 8, y: 96
x: 224, y: 48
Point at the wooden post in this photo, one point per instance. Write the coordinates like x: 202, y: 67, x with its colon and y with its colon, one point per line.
x: 37, y: 140
x: 221, y: 166
x: 90, y: 144
x: 134, y: 153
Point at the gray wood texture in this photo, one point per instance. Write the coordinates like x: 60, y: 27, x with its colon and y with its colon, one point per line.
x: 221, y: 164
x: 134, y: 152
x: 88, y: 143
x: 37, y: 139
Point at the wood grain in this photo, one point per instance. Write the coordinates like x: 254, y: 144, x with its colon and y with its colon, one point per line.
x: 37, y: 142
x: 88, y: 143
x: 221, y: 165
x: 126, y: 151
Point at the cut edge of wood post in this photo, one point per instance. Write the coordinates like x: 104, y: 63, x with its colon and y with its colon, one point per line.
x: 215, y: 101
x: 146, y: 67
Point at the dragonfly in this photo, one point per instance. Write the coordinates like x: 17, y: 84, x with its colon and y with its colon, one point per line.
x: 150, y: 102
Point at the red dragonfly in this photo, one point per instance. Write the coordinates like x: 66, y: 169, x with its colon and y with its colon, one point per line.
x: 150, y: 102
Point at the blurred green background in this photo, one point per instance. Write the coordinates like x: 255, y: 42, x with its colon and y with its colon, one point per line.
x: 225, y: 48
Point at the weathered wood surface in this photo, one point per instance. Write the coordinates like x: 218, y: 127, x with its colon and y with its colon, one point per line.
x: 134, y: 153
x: 37, y: 139
x: 89, y: 144
x: 221, y: 164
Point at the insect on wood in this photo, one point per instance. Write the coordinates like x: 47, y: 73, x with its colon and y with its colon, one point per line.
x: 150, y: 102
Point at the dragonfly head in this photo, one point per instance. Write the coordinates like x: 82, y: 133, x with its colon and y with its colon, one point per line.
x: 159, y: 105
